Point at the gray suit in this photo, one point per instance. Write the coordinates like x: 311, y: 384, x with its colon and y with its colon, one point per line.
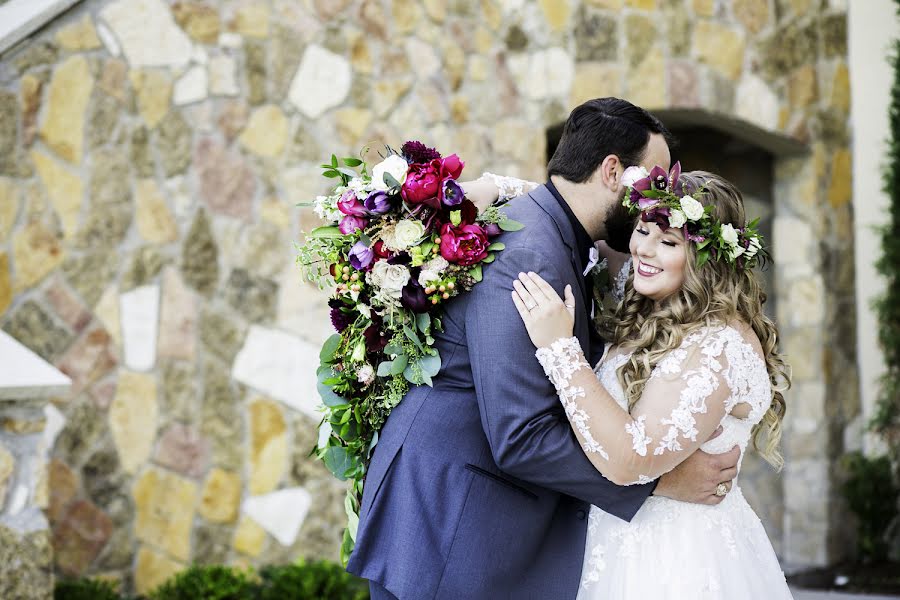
x: 478, y: 488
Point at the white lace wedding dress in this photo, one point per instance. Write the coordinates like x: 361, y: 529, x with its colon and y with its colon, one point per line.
x: 673, y: 550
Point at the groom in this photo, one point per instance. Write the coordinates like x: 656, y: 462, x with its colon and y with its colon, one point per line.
x: 478, y: 488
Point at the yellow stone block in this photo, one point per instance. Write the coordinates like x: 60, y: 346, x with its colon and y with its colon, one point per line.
x: 266, y: 133
x: 268, y: 446
x: 6, y: 294
x: 107, y: 310
x: 36, y: 252
x: 7, y: 466
x: 484, y: 39
x: 360, y: 57
x: 199, y: 21
x: 641, y: 94
x: 595, y: 80
x: 67, y: 99
x: 840, y: 88
x: 80, y: 35
x: 436, y: 10
x: 9, y: 206
x: 249, y: 537
x: 221, y: 496
x: 352, y: 123
x: 803, y: 87
x: 720, y: 47
x: 155, y: 222
x: 840, y: 190
x: 132, y: 418
x: 387, y: 92
x: 641, y: 4
x: 704, y: 8
x: 252, y: 20
x: 608, y: 4
x: 276, y: 212
x: 754, y: 14
x: 492, y: 14
x: 153, y: 569
x: 459, y: 108
x: 154, y: 93
x: 164, y: 511
x: 478, y: 68
x: 63, y: 187
x: 406, y: 15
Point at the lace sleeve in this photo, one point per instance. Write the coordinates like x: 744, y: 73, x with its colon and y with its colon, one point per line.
x: 618, y: 286
x: 684, y: 400
x: 509, y: 187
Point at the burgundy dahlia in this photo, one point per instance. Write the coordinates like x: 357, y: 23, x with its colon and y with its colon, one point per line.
x: 417, y: 152
x: 339, y: 318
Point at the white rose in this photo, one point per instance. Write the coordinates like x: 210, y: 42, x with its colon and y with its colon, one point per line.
x: 736, y: 251
x: 407, y: 233
x: 754, y: 247
x: 365, y: 374
x: 438, y: 264
x: 426, y: 277
x: 677, y: 218
x: 390, y: 278
x: 634, y: 174
x: 393, y: 164
x: 729, y: 234
x: 693, y: 210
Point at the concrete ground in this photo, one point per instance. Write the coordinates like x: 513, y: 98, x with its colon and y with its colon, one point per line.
x: 816, y: 595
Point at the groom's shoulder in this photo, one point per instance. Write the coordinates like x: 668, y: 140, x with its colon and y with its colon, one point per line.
x: 539, y: 232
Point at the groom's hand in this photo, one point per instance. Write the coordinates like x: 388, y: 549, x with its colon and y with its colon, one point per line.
x: 695, y: 480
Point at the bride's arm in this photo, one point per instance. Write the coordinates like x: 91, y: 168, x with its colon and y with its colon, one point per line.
x: 681, y: 406
x: 490, y: 188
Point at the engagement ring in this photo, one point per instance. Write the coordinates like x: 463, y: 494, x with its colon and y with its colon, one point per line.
x: 721, y: 489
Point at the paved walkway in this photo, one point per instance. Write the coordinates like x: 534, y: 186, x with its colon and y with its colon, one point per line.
x: 811, y: 595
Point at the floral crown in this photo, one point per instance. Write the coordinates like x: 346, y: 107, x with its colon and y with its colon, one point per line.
x: 662, y: 199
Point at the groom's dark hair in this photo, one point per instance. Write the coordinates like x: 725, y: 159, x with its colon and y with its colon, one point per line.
x: 601, y: 127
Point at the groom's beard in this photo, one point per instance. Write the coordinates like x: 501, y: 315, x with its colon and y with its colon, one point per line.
x: 619, y: 227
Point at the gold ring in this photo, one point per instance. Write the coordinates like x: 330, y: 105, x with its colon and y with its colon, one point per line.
x: 721, y: 490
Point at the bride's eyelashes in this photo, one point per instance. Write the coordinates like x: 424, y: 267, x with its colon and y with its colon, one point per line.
x: 671, y: 243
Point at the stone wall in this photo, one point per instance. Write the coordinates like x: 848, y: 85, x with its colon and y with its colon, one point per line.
x: 148, y: 183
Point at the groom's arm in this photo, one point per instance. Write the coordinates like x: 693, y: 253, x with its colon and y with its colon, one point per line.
x: 529, y: 435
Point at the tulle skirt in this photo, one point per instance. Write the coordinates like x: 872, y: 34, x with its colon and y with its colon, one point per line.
x: 678, y: 551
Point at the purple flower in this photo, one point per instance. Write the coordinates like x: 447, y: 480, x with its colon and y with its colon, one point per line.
x: 694, y: 237
x: 451, y: 193
x: 659, y: 178
x: 377, y: 203
x: 413, y: 297
x: 361, y: 256
x: 492, y: 230
x: 660, y: 216
x: 350, y: 205
x: 339, y: 318
x: 417, y: 152
x: 674, y: 174
x: 349, y: 224
x: 647, y: 203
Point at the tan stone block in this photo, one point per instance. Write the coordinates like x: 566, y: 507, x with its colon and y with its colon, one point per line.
x: 6, y: 293
x: 221, y: 496
x: 840, y: 88
x: 249, y: 537
x: 608, y: 4
x: 42, y: 488
x: 132, y: 419
x: 454, y: 63
x: 556, y: 13
x: 406, y: 15
x: 459, y: 108
x: 478, y: 68
x: 360, y: 57
x: 387, y: 92
x: 803, y: 87
x: 63, y: 187
x: 641, y: 4
x: 720, y: 47
x: 153, y: 569
x: 36, y: 252
x: 198, y: 20
x: 266, y: 133
x: 114, y: 79
x: 484, y: 40
x: 252, y: 20
x: 30, y: 91
x: 24, y: 426
x: 648, y: 96
x: 177, y: 318
x: 753, y: 14
x: 155, y: 222
x: 840, y: 190
x: 276, y: 212
x: 268, y: 446
x: 595, y: 80
x: 164, y: 511
x: 9, y: 206
x: 352, y: 124
x: 154, y: 93
x: 436, y: 10
x: 492, y: 13
x: 107, y: 310
x: 80, y: 35
x: 7, y: 467
x: 67, y: 100
x: 704, y: 8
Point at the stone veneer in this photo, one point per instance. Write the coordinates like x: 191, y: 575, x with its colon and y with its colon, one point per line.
x: 148, y: 182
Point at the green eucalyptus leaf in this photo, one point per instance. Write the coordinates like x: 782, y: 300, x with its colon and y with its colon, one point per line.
x: 338, y: 461
x: 488, y: 259
x: 399, y: 364
x: 351, y: 162
x: 413, y: 337
x: 330, y: 348
x: 385, y: 368
x: 496, y: 247
x: 329, y: 397
x: 475, y: 273
x: 393, y: 349
x: 325, y: 233
x: 431, y: 364
x: 510, y: 225
x: 334, y: 161
x: 331, y: 174
x: 423, y: 322
x: 390, y: 181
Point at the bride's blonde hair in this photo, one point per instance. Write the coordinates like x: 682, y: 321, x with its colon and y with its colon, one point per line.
x: 713, y: 294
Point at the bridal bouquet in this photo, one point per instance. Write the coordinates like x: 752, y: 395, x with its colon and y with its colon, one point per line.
x: 401, y: 241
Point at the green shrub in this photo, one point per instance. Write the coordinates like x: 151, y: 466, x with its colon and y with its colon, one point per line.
x: 321, y: 580
x: 207, y: 583
x: 85, y: 589
x: 872, y: 496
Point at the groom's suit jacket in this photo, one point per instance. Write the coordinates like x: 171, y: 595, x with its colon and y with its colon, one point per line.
x: 477, y: 487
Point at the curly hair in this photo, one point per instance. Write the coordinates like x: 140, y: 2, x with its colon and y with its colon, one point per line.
x: 713, y: 294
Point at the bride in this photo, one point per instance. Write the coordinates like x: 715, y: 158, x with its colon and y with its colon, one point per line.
x: 691, y: 351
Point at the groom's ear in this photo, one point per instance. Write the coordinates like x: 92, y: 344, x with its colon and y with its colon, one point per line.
x: 609, y: 172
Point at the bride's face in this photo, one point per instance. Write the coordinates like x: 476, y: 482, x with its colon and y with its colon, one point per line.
x: 658, y: 260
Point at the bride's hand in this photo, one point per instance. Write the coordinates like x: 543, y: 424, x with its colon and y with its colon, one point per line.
x: 547, y: 317
x: 482, y: 192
